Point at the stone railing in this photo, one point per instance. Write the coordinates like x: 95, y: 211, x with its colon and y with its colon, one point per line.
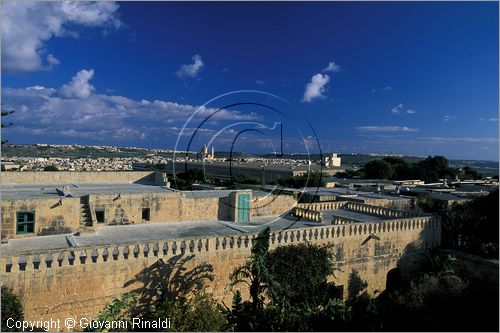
x: 388, y: 213
x: 318, y: 206
x: 54, y: 259
x: 336, y: 220
x: 308, y: 214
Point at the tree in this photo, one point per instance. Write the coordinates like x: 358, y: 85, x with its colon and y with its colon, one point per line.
x: 425, y: 202
x: 12, y: 307
x: 291, y: 265
x: 6, y: 113
x: 255, y: 272
x: 121, y: 308
x: 199, y: 313
x: 50, y: 168
x: 378, y: 169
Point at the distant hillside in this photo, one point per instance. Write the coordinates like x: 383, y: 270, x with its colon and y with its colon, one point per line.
x: 487, y: 168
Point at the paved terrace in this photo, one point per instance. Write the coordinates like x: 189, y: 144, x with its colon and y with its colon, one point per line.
x: 48, y: 191
x: 123, y: 234
x: 329, y: 214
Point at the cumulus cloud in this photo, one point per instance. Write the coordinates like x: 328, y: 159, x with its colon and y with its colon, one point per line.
x: 261, y: 82
x: 410, y: 111
x: 77, y: 110
x: 448, y: 118
x: 191, y: 70
x: 316, y: 88
x: 332, y: 67
x: 386, y: 129
x: 79, y: 87
x: 27, y: 26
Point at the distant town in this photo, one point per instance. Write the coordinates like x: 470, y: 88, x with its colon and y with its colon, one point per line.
x: 75, y: 157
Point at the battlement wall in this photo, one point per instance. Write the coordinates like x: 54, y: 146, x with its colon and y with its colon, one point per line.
x: 78, y: 282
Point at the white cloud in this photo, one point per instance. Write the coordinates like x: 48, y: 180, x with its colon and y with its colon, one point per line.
x: 386, y: 129
x: 77, y: 110
x: 28, y: 25
x: 316, y: 88
x: 52, y: 61
x: 410, y: 111
x: 448, y: 118
x: 397, y: 109
x: 493, y: 120
x: 261, y: 82
x: 79, y: 86
x: 439, y: 139
x: 384, y: 89
x: 191, y: 70
x: 332, y: 67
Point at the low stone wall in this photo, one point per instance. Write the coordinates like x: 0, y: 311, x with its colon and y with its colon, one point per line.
x: 379, y: 211
x: 323, y: 205
x: 78, y: 282
x: 308, y: 214
x: 58, y: 177
x: 343, y: 220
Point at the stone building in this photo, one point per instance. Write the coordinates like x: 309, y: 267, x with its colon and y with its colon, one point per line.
x: 108, y: 233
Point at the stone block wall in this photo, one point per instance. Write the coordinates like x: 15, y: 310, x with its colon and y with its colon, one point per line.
x: 272, y: 205
x: 50, y: 216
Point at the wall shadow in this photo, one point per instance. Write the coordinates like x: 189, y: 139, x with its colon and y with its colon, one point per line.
x: 168, y: 280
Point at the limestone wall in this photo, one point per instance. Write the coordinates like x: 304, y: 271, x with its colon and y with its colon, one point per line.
x: 53, y: 218
x: 78, y: 282
x: 58, y: 177
x: 272, y: 205
x: 50, y: 216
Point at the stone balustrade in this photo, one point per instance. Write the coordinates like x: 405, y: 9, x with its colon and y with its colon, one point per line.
x: 336, y: 220
x: 319, y: 206
x: 387, y: 213
x: 308, y: 214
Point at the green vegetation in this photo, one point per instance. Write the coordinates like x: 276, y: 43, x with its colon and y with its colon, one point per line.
x: 4, y: 125
x: 313, y: 179
x: 430, y: 169
x: 12, y: 307
x: 50, y: 168
x: 472, y: 226
x: 185, y: 180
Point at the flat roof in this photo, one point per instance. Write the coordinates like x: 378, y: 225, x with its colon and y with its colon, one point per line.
x: 48, y: 191
x: 329, y: 214
x: 127, y: 234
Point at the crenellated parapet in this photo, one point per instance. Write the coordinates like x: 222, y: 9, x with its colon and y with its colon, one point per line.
x: 55, y: 259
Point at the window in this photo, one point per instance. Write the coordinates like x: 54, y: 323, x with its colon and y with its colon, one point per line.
x: 99, y: 215
x: 145, y: 214
x: 25, y: 222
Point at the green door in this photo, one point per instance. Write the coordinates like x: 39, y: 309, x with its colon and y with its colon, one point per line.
x: 243, y: 207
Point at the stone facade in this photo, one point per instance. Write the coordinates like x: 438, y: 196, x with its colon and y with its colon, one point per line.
x: 64, y: 215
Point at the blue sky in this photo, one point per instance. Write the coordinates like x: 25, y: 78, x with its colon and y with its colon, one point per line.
x: 402, y: 77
